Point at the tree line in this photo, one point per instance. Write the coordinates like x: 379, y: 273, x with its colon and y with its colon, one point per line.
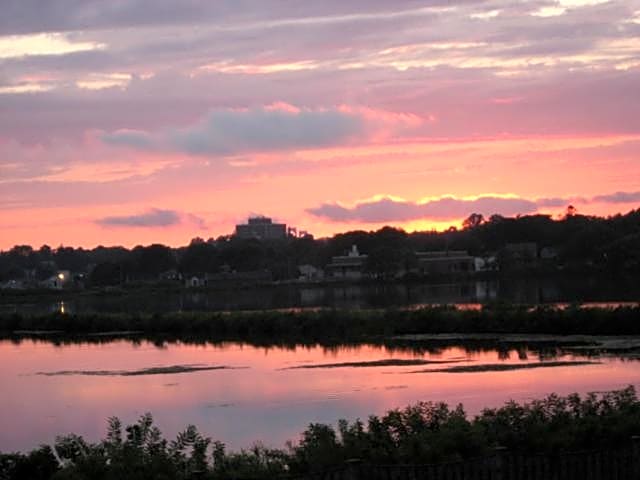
x: 579, y: 241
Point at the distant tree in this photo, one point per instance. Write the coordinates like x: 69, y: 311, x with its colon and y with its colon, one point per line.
x: 45, y: 270
x: 154, y: 259
x: 45, y: 252
x: 473, y: 220
x: 623, y: 253
x: 68, y: 258
x: 106, y: 274
x: 22, y: 250
x: 571, y: 211
x: 199, y: 257
x: 385, y: 262
x: 244, y: 255
x: 40, y: 464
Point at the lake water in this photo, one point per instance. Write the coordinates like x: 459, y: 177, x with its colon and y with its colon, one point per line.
x: 516, y: 290
x: 261, y: 398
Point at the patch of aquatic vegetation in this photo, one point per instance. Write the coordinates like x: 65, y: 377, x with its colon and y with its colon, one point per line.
x: 171, y: 369
x: 390, y: 362
x: 502, y: 367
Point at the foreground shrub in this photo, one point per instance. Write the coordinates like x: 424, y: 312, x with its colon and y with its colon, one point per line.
x: 422, y: 433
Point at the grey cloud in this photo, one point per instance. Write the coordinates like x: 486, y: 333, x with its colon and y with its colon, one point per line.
x: 618, y: 197
x: 580, y: 101
x: 83, y: 61
x: 552, y: 202
x: 152, y: 218
x: 388, y: 210
x: 225, y: 132
x: 131, y: 138
x: 24, y: 16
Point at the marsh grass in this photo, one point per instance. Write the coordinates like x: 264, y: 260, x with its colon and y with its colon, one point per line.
x: 387, y: 362
x: 325, y: 324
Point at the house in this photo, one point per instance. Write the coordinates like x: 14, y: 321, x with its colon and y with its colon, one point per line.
x: 170, y: 275
x: 486, y: 263
x: 445, y: 262
x: 60, y: 280
x: 309, y: 273
x: 13, y: 285
x: 549, y: 253
x: 195, y: 281
x: 348, y: 267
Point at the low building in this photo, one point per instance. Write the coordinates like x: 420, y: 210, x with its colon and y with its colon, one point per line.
x: 348, y: 267
x: 309, y: 273
x: 261, y: 228
x: 246, y: 277
x: 549, y: 253
x: 196, y: 281
x: 445, y: 262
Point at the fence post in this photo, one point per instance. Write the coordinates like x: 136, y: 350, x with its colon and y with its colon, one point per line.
x: 353, y: 469
x: 635, y: 456
x: 498, y: 463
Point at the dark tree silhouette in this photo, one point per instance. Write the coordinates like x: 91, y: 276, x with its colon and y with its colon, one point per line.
x: 473, y: 220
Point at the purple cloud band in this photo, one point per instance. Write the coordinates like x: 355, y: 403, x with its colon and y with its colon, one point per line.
x: 152, y: 218
x: 390, y: 210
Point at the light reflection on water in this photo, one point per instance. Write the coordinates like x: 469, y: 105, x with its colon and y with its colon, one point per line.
x: 267, y: 401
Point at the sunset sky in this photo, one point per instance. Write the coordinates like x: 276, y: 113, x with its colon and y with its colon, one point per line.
x: 137, y: 121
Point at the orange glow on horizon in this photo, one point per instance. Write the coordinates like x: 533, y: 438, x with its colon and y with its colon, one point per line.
x: 285, y: 186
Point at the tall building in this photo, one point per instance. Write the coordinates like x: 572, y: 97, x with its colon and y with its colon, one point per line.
x: 261, y: 228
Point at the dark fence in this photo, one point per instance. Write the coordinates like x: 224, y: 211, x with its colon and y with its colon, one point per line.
x: 620, y: 464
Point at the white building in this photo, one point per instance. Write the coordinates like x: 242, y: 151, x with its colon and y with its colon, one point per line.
x: 348, y: 267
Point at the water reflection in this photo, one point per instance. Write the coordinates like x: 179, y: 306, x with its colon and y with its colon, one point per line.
x: 470, y: 293
x: 268, y: 400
